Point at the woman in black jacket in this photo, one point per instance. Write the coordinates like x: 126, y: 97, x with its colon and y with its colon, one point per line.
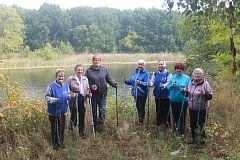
x: 98, y: 78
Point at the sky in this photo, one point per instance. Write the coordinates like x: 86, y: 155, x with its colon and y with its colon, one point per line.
x: 66, y: 4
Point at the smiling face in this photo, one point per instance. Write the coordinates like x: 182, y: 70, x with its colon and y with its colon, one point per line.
x: 179, y: 70
x: 140, y: 66
x: 79, y: 71
x: 60, y: 77
x: 96, y: 62
x: 197, y: 75
x: 161, y: 65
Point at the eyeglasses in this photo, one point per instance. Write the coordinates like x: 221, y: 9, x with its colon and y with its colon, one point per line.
x: 140, y: 64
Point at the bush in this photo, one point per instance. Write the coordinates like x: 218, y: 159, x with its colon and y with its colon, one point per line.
x: 21, y: 117
x: 26, y: 52
x: 47, y: 52
x: 64, y: 49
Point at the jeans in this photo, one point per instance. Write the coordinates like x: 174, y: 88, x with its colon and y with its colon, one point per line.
x: 99, y: 105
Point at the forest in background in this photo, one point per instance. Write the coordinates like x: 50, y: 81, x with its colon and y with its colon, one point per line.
x: 87, y: 29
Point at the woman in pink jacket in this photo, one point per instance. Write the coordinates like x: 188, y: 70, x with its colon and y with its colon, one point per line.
x: 199, y: 93
x: 79, y: 87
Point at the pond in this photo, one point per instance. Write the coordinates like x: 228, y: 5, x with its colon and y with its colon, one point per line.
x: 35, y: 81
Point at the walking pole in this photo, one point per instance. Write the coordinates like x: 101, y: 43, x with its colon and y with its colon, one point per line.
x: 116, y: 105
x: 124, y: 98
x: 55, y: 136
x: 92, y: 123
x: 148, y: 111
x: 168, y: 114
x: 178, y: 125
x: 177, y: 129
x: 197, y: 129
x: 180, y: 115
x: 76, y: 115
x: 136, y: 110
x: 159, y: 103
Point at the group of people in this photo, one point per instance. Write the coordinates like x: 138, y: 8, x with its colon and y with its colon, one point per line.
x: 79, y: 87
x: 171, y: 92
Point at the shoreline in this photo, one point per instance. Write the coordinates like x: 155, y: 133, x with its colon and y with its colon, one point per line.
x: 85, y: 64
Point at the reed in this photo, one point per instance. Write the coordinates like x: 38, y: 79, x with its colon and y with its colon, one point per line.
x: 85, y: 59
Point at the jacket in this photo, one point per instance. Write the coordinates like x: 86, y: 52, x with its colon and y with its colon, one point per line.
x: 181, y: 80
x: 140, y: 89
x: 74, y: 85
x: 100, y: 77
x: 56, y: 97
x: 160, y: 78
x: 195, y: 99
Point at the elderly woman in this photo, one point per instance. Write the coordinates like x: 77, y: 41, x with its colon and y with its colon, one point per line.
x: 57, y: 95
x: 98, y: 77
x: 159, y: 80
x: 199, y: 93
x: 178, y: 98
x: 79, y: 86
x: 139, y: 81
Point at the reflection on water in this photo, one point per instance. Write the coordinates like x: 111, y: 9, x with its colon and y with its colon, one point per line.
x: 35, y: 81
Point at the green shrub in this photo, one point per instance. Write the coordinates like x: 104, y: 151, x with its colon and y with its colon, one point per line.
x: 47, y: 52
x: 65, y: 48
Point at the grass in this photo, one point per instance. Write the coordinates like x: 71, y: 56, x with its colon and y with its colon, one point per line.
x: 25, y: 130
x: 85, y: 59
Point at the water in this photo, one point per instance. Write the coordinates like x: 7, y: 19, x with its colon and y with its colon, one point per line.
x: 35, y: 81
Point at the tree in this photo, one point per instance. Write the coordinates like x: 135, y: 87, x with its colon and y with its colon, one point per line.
x: 36, y: 33
x: 216, y: 9
x: 88, y: 38
x: 94, y: 39
x: 56, y: 21
x: 127, y: 44
x: 11, y: 30
x: 79, y: 38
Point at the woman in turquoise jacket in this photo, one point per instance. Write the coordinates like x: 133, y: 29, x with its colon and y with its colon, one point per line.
x: 178, y: 98
x: 139, y: 81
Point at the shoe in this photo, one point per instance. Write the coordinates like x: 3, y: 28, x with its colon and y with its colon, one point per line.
x: 192, y: 142
x: 139, y: 123
x: 167, y: 125
x: 62, y: 146
x: 83, y: 135
x: 56, y: 146
x: 203, y: 143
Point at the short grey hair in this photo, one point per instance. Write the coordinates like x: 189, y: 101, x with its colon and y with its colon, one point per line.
x: 198, y: 70
x: 58, y: 71
x: 141, y: 61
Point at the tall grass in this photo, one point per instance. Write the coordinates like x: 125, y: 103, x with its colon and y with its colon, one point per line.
x: 25, y: 130
x: 85, y: 59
